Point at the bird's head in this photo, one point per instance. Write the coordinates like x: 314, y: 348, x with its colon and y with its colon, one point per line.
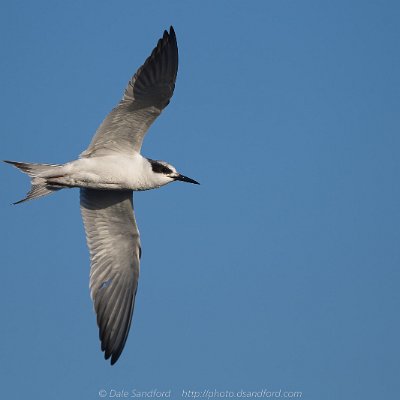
x: 164, y: 173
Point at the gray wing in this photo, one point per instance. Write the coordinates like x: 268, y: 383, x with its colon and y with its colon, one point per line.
x: 147, y: 94
x: 114, y: 245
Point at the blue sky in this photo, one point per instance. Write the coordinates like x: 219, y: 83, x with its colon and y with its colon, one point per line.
x: 281, y: 270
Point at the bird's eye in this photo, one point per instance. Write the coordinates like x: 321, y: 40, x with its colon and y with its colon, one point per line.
x: 166, y: 170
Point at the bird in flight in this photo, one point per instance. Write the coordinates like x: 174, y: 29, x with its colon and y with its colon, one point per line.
x: 107, y: 173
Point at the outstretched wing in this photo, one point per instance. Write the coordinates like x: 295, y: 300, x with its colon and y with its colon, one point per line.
x: 147, y: 94
x: 114, y: 245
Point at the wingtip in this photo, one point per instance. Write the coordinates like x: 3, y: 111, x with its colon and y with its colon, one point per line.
x: 172, y: 33
x: 113, y: 357
x: 109, y: 354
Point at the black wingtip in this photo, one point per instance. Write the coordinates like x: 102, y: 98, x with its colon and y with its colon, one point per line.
x: 114, y: 357
x: 107, y: 357
x: 172, y: 33
x: 169, y: 35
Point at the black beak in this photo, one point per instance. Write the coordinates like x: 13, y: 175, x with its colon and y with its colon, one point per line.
x: 184, y: 178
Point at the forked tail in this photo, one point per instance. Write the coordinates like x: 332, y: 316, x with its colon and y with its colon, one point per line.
x: 39, y: 187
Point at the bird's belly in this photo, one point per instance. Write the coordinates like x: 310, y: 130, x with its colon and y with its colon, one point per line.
x: 109, y: 172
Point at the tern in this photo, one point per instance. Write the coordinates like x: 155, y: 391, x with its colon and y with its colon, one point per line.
x: 107, y: 173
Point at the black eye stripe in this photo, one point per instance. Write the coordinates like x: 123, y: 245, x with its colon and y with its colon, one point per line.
x: 159, y: 168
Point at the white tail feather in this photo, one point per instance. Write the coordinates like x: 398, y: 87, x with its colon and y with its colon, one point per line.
x: 40, y: 187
